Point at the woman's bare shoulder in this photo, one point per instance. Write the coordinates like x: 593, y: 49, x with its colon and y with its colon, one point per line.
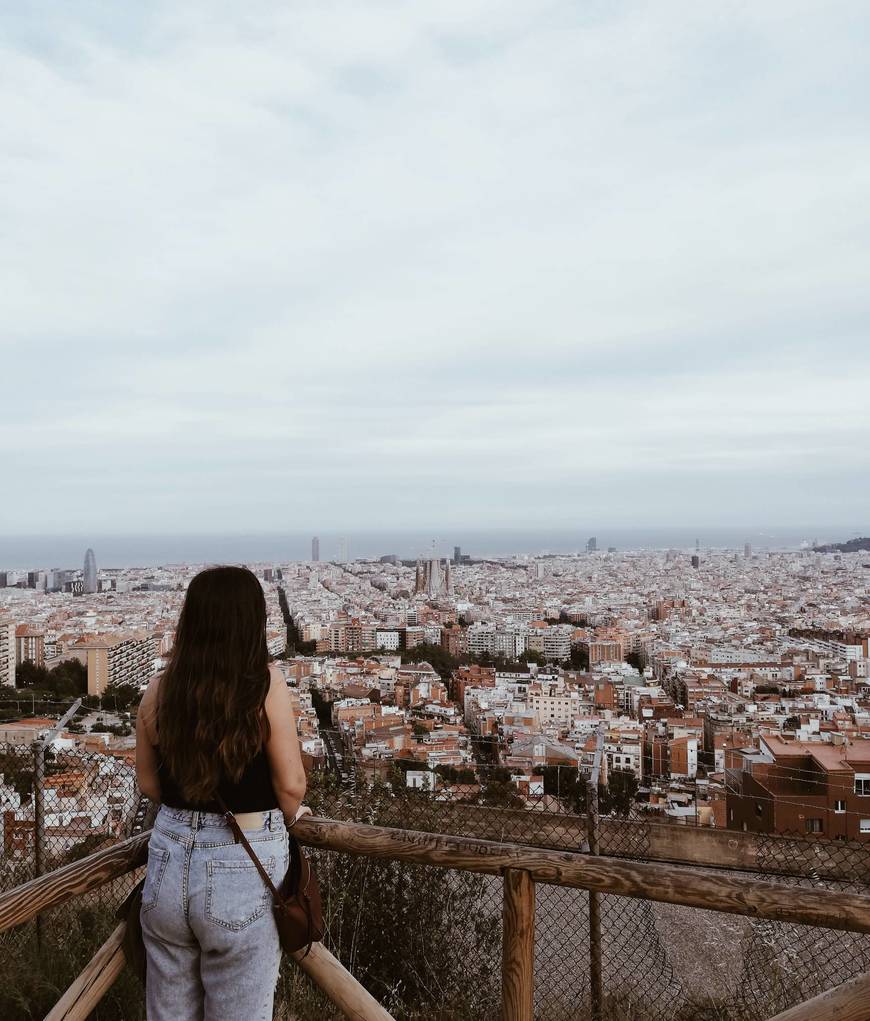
x: 276, y: 676
x: 148, y: 707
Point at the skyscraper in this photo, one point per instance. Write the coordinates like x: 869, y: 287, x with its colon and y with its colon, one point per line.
x: 315, y: 548
x: 592, y: 544
x: 747, y: 550
x: 457, y: 554
x: 90, y: 572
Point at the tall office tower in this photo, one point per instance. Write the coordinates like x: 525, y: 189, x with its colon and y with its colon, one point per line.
x: 90, y: 572
x: 697, y: 545
x: 457, y: 554
x: 592, y: 545
x: 747, y: 550
x: 315, y: 548
x: 7, y: 652
x: 4, y: 579
x: 343, y: 548
x: 696, y: 561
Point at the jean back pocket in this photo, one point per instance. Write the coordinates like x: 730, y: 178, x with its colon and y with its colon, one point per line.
x: 158, y: 859
x: 236, y: 895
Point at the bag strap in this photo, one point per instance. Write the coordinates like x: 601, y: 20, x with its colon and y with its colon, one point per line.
x: 240, y: 838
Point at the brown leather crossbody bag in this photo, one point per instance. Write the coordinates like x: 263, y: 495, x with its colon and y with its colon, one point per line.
x: 298, y: 913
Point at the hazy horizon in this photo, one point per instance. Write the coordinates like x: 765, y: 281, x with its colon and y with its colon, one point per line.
x: 142, y: 550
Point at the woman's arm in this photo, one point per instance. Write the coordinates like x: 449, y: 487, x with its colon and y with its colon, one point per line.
x: 146, y: 760
x: 282, y: 749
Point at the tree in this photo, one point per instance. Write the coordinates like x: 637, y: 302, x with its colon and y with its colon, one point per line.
x: 322, y: 708
x: 579, y: 657
x: 439, y: 659
x: 67, y: 680
x: 565, y: 783
x: 485, y: 748
x: 499, y: 791
x: 16, y: 768
x: 29, y: 675
x: 637, y: 660
x: 125, y: 695
x: 452, y: 774
x: 618, y: 797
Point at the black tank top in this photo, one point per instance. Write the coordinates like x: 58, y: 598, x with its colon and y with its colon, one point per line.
x: 253, y: 793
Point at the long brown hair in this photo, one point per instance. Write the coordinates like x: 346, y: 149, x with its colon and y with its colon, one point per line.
x: 210, y: 718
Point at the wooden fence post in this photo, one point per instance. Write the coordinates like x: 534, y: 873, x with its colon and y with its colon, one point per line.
x: 518, y: 946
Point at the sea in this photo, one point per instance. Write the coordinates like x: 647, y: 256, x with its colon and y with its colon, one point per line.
x: 115, y: 551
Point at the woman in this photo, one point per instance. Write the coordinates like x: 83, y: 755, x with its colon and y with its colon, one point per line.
x: 217, y: 722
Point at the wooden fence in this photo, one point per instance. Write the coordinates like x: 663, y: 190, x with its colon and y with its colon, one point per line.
x: 520, y: 866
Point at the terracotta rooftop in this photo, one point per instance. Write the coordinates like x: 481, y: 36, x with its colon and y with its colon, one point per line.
x: 828, y: 756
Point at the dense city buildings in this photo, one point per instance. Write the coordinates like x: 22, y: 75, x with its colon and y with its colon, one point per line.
x: 731, y: 686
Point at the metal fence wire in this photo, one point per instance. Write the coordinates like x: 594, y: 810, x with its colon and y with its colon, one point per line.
x: 427, y: 941
x: 785, y: 964
x: 60, y: 805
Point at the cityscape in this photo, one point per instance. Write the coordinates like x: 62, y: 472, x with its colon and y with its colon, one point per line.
x: 728, y: 689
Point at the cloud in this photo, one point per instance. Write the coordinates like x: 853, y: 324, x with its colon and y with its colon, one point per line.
x: 376, y: 264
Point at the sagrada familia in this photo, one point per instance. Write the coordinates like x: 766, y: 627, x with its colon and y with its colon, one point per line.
x: 433, y: 578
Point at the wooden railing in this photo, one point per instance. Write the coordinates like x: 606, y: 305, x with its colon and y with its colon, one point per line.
x: 521, y: 868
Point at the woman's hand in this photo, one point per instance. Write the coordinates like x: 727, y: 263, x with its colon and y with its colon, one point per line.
x: 300, y: 811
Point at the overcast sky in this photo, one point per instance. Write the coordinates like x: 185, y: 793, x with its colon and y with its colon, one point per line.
x: 458, y: 263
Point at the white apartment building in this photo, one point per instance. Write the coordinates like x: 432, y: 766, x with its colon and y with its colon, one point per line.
x: 7, y: 652
x: 623, y: 749
x: 482, y: 700
x: 120, y: 659
x: 481, y: 638
x: 276, y: 639
x: 387, y: 638
x: 510, y: 642
x: 557, y: 642
x: 555, y: 703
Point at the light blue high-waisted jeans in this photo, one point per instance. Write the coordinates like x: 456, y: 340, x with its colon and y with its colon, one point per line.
x: 211, y: 942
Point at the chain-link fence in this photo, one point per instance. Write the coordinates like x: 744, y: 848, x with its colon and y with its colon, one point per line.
x: 785, y: 964
x: 427, y: 941
x: 58, y: 805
